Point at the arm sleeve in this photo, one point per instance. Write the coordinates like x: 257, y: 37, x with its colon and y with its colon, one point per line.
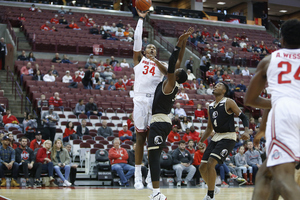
x: 244, y: 119
x: 173, y: 59
x: 138, y: 36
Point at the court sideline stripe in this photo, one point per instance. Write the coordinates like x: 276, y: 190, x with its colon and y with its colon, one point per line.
x: 4, y: 198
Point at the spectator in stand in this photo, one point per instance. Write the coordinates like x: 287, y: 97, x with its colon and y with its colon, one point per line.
x: 61, y: 11
x: 54, y: 71
x: 238, y: 70
x: 186, y: 137
x: 125, y: 134
x: 43, y: 102
x: 186, y: 85
x: 117, y: 67
x: 182, y: 95
x: 130, y: 123
x: 120, y: 85
x: 243, y: 44
x: 131, y: 161
x: 84, y: 19
x: 49, y: 119
x: 104, y: 130
x: 125, y: 80
x: 94, y: 30
x: 82, y: 129
x: 174, y: 135
x: 73, y: 26
x: 225, y: 37
x: 235, y: 43
x: 31, y: 57
x: 80, y: 108
x: 49, y: 77
x: 97, y: 82
x: 199, y: 113
x: 54, y: 20
x: 179, y: 111
x: 119, y: 33
x: 217, y: 77
x: 215, y: 48
x: 194, y: 85
x: 223, y: 170
x: 67, y: 78
x: 252, y: 124
x: 7, y: 162
x: 26, y: 71
x: 10, y: 120
x: 120, y: 24
x: 197, y: 161
x: 217, y: 36
x: 226, y: 77
x: 204, y: 63
x: 176, y: 121
x: 113, y: 61
x: 201, y: 89
x: 124, y: 64
x: 241, y: 87
x: 30, y: 127
x: 191, y: 76
x: 90, y: 63
x: 189, y: 64
x: 90, y: 22
x: 46, y: 26
x: 106, y: 27
x: 241, y: 163
x: 113, y: 28
x: 32, y: 8
x: 253, y: 159
x: 87, y: 79
x: 209, y: 91
x: 210, y: 75
x: 194, y: 134
x: 205, y: 33
x: 182, y: 161
x: 91, y: 108
x: 66, y: 60
x: 26, y: 161
x: 76, y: 78
x: 145, y: 42
x: 62, y: 20
x: 73, y: 170
x: 81, y: 72
x: 56, y: 101
x: 107, y: 74
x: 190, y: 147
x: 118, y: 157
x: 44, y: 156
x: 56, y: 59
x: 69, y: 132
x: 231, y: 87
x: 70, y: 12
x: 229, y: 55
x: 61, y: 161
x: 23, y: 56
x: 246, y: 72
x: 38, y: 141
x: 111, y: 86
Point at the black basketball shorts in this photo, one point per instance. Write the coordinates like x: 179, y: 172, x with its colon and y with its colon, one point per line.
x: 158, y: 134
x: 218, y: 150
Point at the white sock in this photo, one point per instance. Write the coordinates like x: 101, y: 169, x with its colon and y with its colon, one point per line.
x: 156, y: 191
x: 138, y: 171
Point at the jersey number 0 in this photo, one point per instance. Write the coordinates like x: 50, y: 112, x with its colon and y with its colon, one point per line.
x: 287, y: 71
x: 146, y: 70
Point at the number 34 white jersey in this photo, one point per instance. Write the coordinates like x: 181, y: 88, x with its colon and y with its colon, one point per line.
x: 283, y: 74
x: 147, y: 76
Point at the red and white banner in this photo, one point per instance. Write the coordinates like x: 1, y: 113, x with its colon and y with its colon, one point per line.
x: 98, y: 49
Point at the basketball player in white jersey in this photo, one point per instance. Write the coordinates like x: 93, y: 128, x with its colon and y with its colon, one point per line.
x: 282, y: 72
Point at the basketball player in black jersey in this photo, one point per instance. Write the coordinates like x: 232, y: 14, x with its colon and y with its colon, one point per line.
x: 221, y: 120
x: 163, y: 101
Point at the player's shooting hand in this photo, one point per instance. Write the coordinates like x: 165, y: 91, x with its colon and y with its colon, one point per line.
x: 186, y: 34
x: 140, y: 13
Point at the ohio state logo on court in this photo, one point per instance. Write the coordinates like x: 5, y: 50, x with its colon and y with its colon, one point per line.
x: 276, y: 154
x: 24, y: 155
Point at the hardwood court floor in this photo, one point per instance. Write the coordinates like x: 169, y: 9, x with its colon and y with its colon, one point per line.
x: 94, y: 193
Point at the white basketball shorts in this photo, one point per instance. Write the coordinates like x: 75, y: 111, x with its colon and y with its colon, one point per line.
x: 142, y: 112
x: 283, y: 132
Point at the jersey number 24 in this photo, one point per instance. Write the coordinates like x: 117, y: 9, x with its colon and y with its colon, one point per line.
x: 146, y: 70
x: 287, y: 71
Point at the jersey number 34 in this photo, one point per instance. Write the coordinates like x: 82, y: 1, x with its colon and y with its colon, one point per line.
x: 287, y: 71
x: 146, y: 70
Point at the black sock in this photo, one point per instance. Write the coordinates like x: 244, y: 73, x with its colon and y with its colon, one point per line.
x: 210, y: 193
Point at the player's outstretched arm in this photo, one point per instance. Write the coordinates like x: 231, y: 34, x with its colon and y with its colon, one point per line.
x: 182, y: 44
x: 232, y: 106
x: 208, y: 129
x: 138, y: 34
x: 262, y: 128
x: 257, y: 84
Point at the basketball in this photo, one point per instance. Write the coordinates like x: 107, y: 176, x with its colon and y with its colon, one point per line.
x: 143, y: 5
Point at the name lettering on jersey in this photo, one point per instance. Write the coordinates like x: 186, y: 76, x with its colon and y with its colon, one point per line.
x: 148, y: 63
x: 215, y: 114
x: 288, y: 55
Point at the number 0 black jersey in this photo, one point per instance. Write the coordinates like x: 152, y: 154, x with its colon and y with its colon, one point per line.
x: 163, y: 103
x: 222, y: 121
